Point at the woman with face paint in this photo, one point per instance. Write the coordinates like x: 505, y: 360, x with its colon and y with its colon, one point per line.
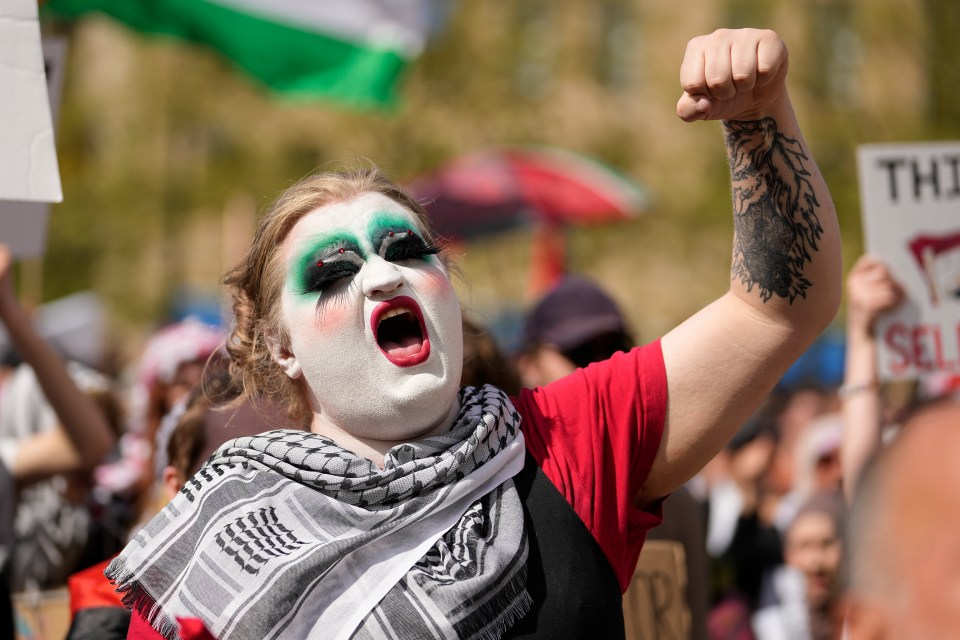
x: 414, y: 509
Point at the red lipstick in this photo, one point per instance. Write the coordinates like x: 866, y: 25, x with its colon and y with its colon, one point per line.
x: 399, y: 331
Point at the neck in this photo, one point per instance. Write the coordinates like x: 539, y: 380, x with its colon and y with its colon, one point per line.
x: 375, y: 449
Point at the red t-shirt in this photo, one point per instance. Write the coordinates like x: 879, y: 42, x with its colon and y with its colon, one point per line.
x: 595, y: 434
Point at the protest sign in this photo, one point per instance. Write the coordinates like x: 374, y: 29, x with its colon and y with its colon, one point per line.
x: 910, y: 196
x: 655, y: 604
x: 23, y: 225
x: 28, y: 160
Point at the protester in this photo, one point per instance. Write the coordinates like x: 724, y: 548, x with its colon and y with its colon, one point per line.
x: 818, y: 458
x: 742, y: 535
x: 168, y: 370
x: 48, y: 426
x: 904, y: 547
x: 803, y: 596
x: 816, y: 468
x: 203, y: 426
x: 413, y: 510
x: 484, y: 362
x: 796, y: 410
x: 575, y: 324
x: 871, y: 291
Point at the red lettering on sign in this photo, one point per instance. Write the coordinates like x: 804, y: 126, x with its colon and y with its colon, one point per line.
x: 920, y: 351
x: 919, y: 346
x: 898, y: 342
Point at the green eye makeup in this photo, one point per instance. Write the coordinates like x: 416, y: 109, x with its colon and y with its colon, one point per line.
x: 395, y: 240
x: 338, y: 257
x: 327, y: 262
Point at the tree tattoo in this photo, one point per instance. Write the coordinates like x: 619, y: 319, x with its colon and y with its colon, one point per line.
x: 774, y: 209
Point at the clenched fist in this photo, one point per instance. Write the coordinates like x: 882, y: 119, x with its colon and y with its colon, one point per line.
x: 732, y: 74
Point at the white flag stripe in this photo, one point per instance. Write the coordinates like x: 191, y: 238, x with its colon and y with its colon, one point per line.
x: 391, y: 24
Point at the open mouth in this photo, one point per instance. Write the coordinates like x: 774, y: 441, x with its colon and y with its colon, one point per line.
x: 400, y: 333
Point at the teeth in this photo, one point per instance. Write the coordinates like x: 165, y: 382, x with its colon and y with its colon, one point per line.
x: 393, y: 312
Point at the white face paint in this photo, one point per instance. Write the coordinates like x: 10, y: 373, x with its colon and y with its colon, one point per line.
x: 373, y: 320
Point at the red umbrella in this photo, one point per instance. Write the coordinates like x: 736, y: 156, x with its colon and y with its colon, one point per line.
x: 492, y: 190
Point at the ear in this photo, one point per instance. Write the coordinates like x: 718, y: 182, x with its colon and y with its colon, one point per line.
x: 528, y: 370
x: 283, y: 356
x: 172, y: 481
x: 543, y: 365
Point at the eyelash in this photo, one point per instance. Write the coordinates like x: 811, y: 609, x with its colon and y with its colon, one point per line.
x: 409, y: 248
x: 321, y: 278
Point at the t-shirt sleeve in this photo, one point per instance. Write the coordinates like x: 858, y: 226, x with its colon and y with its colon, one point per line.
x: 595, y: 434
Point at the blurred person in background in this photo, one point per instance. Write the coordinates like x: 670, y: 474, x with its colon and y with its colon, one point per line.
x: 750, y: 523
x: 802, y: 600
x: 575, y: 324
x: 796, y: 408
x: 484, y: 362
x: 48, y: 427
x: 168, y: 369
x: 817, y: 467
x: 742, y: 538
x: 206, y: 422
x: 818, y: 457
x: 903, y: 542
x: 871, y: 291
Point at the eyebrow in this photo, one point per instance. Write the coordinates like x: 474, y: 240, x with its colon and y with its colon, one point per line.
x: 383, y: 224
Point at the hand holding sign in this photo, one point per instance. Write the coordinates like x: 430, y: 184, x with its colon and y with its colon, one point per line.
x: 871, y: 290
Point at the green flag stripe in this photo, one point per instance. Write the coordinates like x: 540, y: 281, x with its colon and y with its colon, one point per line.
x: 293, y: 61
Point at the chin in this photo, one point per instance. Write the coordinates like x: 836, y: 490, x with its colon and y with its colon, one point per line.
x: 404, y: 409
x: 425, y: 400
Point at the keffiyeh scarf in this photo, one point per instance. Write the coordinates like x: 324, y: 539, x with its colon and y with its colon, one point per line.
x: 286, y: 534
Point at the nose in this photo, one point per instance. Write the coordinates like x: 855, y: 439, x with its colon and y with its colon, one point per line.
x: 379, y: 277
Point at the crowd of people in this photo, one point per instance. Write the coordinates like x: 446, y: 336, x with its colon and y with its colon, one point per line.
x: 352, y: 457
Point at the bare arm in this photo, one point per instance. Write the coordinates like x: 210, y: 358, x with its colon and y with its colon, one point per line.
x: 786, y: 272
x: 85, y: 429
x: 870, y: 291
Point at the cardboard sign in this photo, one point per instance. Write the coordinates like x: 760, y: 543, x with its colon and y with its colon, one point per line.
x: 911, y: 215
x: 654, y: 606
x: 28, y: 159
x: 42, y: 615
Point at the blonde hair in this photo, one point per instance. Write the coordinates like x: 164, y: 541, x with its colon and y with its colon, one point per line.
x: 256, y: 283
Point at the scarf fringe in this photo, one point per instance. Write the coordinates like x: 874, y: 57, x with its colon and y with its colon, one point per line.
x: 510, y: 605
x: 135, y: 597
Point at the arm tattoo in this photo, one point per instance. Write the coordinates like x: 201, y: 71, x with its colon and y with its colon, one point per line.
x: 774, y: 209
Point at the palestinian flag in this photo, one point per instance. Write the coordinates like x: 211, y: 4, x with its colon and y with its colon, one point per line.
x: 352, y: 51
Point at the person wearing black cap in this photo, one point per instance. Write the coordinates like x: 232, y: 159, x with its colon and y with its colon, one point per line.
x: 574, y: 324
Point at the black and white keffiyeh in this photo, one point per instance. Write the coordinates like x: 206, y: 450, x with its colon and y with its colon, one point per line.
x: 286, y: 534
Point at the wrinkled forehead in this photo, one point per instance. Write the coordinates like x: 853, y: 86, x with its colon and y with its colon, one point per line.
x: 359, y: 220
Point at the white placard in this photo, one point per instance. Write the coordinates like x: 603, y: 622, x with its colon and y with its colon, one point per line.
x: 23, y: 225
x: 910, y: 195
x: 28, y: 159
